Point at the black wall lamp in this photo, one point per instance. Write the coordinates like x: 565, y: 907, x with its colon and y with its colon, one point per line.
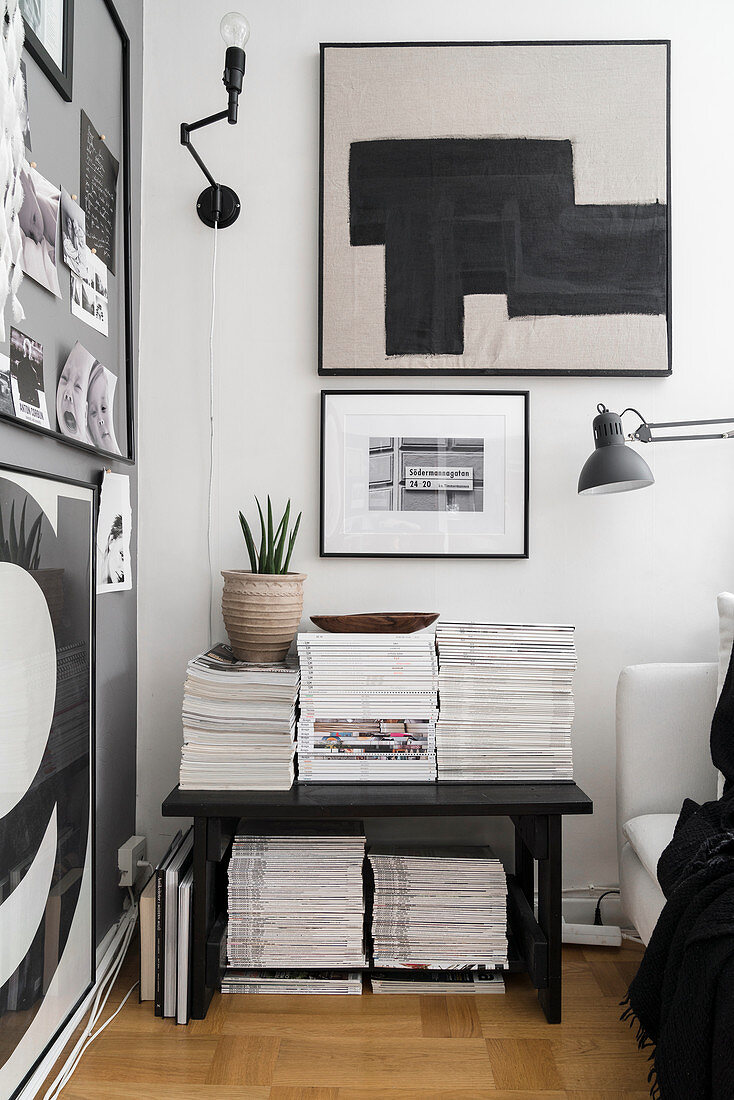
x: 614, y: 467
x: 218, y: 206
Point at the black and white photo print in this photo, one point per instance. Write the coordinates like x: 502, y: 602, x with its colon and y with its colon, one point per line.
x: 39, y: 219
x: 89, y: 294
x: 6, y: 392
x: 426, y: 475
x: 114, y: 568
x: 73, y: 234
x: 85, y: 400
x: 26, y: 379
x: 495, y: 208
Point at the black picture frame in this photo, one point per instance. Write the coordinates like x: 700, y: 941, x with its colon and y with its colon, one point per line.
x: 490, y: 371
x: 61, y: 78
x: 127, y: 327
x: 94, y: 495
x: 524, y: 394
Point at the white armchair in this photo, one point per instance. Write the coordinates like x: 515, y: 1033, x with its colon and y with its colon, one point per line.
x: 664, y: 716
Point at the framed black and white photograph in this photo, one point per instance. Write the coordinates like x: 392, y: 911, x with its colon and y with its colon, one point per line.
x: 47, y: 583
x: 440, y: 474
x: 49, y: 39
x: 495, y: 208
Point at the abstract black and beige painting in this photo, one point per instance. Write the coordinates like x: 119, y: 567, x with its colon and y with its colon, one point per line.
x: 495, y: 208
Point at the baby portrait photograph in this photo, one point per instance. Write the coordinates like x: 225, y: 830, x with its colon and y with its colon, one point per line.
x: 85, y: 401
x: 39, y: 219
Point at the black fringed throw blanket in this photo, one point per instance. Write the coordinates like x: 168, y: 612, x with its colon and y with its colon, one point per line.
x: 682, y: 998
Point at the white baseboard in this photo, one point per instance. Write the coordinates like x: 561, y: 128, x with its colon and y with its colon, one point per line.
x: 580, y: 910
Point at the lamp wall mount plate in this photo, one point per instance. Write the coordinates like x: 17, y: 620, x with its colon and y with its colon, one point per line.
x: 218, y: 207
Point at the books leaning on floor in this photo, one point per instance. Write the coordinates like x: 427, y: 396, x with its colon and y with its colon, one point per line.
x: 239, y: 724
x: 442, y: 908
x: 296, y: 897
x: 506, y: 701
x: 165, y: 931
x: 368, y: 707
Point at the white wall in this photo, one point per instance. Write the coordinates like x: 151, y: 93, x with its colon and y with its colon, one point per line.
x: 637, y: 573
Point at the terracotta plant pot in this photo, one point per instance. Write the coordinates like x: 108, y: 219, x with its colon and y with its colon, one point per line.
x: 262, y: 612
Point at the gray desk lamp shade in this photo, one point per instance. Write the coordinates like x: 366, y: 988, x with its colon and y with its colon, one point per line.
x: 613, y: 467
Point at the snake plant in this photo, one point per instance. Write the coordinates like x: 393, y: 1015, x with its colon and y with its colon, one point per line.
x: 15, y: 546
x: 276, y: 545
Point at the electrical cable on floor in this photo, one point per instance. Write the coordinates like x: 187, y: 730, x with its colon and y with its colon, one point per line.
x: 105, y: 988
x: 211, y: 440
x: 597, y: 912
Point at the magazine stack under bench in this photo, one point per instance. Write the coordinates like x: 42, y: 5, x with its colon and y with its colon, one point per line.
x: 536, y: 810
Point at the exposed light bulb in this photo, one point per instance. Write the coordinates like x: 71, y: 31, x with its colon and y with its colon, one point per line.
x: 235, y: 29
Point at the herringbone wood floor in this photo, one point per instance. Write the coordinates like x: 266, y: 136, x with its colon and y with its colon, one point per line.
x: 379, y: 1048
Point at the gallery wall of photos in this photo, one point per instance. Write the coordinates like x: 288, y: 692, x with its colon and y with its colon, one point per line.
x: 67, y: 366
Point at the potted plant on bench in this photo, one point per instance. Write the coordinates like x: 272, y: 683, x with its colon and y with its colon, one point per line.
x: 262, y: 606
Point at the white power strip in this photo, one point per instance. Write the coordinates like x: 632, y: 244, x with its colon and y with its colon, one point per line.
x: 603, y: 935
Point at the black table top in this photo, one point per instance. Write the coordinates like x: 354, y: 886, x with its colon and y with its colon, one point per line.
x: 306, y: 801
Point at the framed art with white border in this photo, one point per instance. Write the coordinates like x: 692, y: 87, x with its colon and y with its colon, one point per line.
x: 424, y: 475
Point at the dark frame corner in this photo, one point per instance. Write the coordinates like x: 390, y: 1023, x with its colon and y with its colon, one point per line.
x: 61, y: 78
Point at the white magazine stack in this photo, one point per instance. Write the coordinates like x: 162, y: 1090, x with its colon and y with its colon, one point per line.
x: 239, y: 724
x: 506, y: 701
x: 296, y: 899
x: 368, y: 707
x: 441, y: 908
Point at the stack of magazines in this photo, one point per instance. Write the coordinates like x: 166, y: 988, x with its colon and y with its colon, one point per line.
x: 441, y: 908
x: 292, y: 981
x: 368, y: 707
x: 295, y: 898
x: 506, y: 701
x: 239, y: 724
x: 437, y: 981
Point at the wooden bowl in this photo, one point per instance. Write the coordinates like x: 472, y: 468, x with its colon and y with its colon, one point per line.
x: 383, y: 622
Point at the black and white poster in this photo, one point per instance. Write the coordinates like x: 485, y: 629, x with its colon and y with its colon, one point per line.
x: 424, y: 474
x: 38, y: 220
x: 46, y: 744
x: 114, y: 568
x: 495, y: 208
x: 26, y: 379
x: 98, y: 172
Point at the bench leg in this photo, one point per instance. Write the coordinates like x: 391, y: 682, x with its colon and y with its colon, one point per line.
x: 549, y: 919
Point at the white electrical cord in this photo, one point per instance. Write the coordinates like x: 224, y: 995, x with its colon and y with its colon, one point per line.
x: 211, y: 440
x: 88, y: 1035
